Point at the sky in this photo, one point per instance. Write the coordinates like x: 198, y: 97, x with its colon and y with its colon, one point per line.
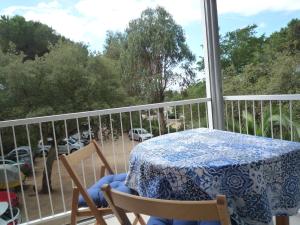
x: 88, y: 20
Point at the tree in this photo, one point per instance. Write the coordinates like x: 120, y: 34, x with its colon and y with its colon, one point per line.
x: 287, y: 39
x: 114, y: 45
x: 240, y: 47
x: 31, y: 38
x: 155, y: 56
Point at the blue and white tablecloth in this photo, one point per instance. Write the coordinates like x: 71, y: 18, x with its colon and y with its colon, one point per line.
x: 259, y: 176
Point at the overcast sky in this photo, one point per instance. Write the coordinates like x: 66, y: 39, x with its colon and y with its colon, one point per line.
x: 88, y: 20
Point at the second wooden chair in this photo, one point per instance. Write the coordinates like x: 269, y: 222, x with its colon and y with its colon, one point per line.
x: 167, y: 212
x: 92, y: 199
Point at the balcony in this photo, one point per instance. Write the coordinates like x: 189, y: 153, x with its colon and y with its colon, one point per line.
x: 44, y: 192
x: 53, y: 206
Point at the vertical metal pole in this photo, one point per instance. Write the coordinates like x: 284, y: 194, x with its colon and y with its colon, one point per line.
x: 212, y: 64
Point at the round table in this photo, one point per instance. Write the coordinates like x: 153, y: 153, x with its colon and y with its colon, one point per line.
x: 259, y: 176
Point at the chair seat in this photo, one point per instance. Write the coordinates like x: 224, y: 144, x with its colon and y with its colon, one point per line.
x: 160, y: 221
x: 116, y: 181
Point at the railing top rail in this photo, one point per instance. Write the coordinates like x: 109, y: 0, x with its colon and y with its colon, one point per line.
x: 287, y: 97
x: 36, y: 120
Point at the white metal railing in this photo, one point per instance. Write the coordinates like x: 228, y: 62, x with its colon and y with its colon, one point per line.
x: 266, y: 115
x: 109, y: 126
x: 274, y: 116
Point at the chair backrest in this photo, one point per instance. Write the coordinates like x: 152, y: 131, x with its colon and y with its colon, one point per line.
x: 72, y: 160
x: 168, y: 209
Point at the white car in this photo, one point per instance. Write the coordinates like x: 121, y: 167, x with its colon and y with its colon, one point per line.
x: 63, y: 146
x: 6, y: 218
x: 139, y: 134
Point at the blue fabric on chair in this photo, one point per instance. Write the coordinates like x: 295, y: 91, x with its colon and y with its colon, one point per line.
x: 160, y: 221
x: 116, y: 181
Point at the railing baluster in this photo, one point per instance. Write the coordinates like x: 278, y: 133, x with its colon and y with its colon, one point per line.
x: 93, y: 159
x: 78, y: 130
x: 280, y: 119
x: 33, y: 172
x: 68, y: 147
x: 83, y: 173
x: 254, y: 118
x: 176, y: 122
x: 239, y: 109
x: 20, y: 178
x: 291, y: 119
x: 246, y: 115
x: 191, y: 111
x: 58, y: 167
x: 271, y: 118
x: 6, y: 177
x: 113, y: 143
x: 199, y: 116
x: 226, y: 116
x: 158, y: 120
x: 123, y: 144
x: 149, y: 116
x: 232, y: 117
x: 66, y: 134
x: 262, y: 118
x: 183, y: 117
x: 100, y: 130
x: 140, y: 116
x: 168, y: 125
x: 46, y: 169
x: 132, y: 139
x: 206, y: 116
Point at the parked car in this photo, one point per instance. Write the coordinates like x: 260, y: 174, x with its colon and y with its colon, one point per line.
x: 23, y: 153
x: 6, y: 217
x: 24, y: 163
x: 9, y: 175
x: 85, y: 141
x: 139, y: 134
x: 12, y: 196
x: 23, y: 159
x: 63, y: 146
x: 86, y: 134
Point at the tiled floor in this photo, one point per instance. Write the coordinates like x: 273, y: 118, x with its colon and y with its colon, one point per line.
x: 294, y: 220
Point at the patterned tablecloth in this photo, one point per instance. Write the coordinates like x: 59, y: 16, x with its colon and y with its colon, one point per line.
x: 260, y: 176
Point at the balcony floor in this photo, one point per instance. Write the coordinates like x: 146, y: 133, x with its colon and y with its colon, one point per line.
x: 294, y: 220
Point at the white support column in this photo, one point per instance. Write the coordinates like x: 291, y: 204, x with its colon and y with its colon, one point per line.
x: 212, y: 64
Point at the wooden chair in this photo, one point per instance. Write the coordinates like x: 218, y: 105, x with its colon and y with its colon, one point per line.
x: 208, y: 210
x: 69, y: 163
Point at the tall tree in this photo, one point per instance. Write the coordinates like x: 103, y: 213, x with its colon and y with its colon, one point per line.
x: 156, y: 55
x: 155, y: 46
x: 240, y: 47
x: 114, y: 44
x: 31, y: 38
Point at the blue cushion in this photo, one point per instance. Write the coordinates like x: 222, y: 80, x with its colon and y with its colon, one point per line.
x: 116, y: 181
x: 160, y: 221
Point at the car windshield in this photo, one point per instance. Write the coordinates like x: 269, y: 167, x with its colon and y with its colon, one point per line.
x: 142, y: 131
x: 72, y: 141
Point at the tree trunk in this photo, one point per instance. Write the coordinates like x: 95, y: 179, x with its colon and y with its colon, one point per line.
x: 49, y: 163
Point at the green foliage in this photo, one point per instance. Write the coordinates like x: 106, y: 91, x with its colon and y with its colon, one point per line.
x: 31, y: 38
x: 155, y: 46
x: 260, y: 65
x: 240, y: 47
x: 271, y: 122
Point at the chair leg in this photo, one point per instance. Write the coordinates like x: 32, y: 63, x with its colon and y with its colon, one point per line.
x: 99, y: 219
x: 102, y: 171
x: 74, y: 206
x: 138, y: 218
